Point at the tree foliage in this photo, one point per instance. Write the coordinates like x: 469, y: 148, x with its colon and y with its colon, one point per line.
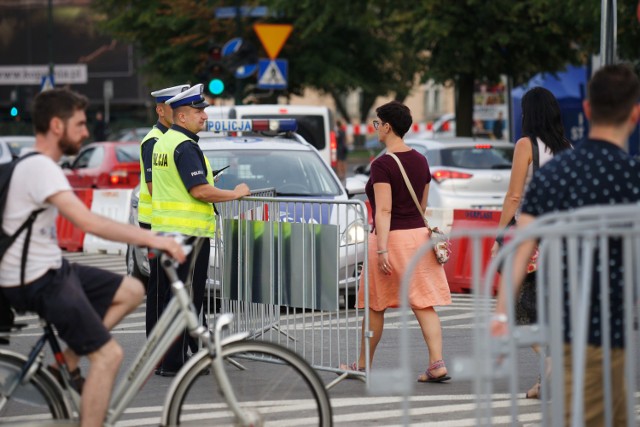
x: 378, y: 47
x: 477, y: 40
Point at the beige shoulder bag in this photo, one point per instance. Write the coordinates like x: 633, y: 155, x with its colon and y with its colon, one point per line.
x: 442, y: 245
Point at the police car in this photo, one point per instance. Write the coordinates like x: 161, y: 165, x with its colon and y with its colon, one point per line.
x: 269, y: 154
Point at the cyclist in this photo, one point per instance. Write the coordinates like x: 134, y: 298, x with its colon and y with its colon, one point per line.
x: 83, y: 303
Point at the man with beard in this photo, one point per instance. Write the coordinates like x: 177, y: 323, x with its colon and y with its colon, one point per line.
x: 83, y: 303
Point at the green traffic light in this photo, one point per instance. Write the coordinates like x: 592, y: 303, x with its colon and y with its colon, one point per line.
x: 14, y: 112
x: 216, y: 86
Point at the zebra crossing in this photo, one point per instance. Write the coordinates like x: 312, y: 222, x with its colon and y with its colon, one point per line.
x: 450, y: 405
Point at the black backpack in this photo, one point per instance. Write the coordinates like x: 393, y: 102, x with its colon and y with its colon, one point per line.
x: 6, y: 240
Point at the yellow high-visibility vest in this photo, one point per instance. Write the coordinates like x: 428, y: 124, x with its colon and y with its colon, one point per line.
x: 144, y: 202
x: 173, y: 208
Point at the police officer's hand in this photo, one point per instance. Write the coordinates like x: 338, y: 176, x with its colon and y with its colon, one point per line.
x: 242, y: 190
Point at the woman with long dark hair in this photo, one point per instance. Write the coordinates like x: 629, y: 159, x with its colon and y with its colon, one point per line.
x: 542, y: 126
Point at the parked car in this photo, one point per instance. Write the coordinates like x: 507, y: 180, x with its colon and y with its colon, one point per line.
x: 18, y: 144
x: 131, y: 134
x: 5, y: 152
x: 467, y: 173
x: 295, y: 169
x: 105, y: 165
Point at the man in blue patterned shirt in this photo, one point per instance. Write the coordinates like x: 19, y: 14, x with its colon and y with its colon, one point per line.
x: 598, y: 172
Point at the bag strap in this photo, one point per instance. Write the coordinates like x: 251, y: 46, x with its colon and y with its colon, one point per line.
x: 27, y: 240
x: 535, y: 153
x: 408, y: 183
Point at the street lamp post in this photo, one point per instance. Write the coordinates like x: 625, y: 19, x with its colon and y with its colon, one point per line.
x: 608, y: 29
x: 50, y: 31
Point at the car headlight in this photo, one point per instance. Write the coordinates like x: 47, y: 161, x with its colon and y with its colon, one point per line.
x: 355, y: 233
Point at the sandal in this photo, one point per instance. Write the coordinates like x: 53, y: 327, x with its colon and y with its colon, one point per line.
x: 428, y: 377
x: 352, y: 367
x: 77, y: 380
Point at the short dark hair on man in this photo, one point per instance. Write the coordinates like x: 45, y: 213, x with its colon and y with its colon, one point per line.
x: 397, y: 115
x: 613, y: 91
x: 61, y: 103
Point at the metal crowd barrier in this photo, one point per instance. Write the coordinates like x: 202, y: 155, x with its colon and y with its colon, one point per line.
x: 571, y: 244
x: 288, y: 269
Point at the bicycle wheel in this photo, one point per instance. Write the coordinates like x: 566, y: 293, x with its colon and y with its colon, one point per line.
x: 271, y: 382
x: 39, y: 399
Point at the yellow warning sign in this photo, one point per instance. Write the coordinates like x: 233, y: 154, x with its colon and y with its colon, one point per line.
x: 273, y: 37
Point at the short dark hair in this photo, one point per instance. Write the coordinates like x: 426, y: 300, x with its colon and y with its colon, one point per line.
x: 61, y: 103
x: 613, y: 91
x: 397, y: 115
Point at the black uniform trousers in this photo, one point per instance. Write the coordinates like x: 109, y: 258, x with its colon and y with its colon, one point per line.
x: 159, y: 294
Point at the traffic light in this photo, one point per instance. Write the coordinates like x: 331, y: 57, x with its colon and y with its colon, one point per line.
x: 215, y: 84
x: 217, y: 76
x: 14, y: 111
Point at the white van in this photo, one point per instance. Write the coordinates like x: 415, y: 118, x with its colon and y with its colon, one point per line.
x: 315, y: 124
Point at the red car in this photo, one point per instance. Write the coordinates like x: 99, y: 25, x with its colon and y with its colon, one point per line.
x: 105, y: 165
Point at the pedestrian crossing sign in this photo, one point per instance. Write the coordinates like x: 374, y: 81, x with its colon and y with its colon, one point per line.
x: 46, y: 83
x: 272, y: 74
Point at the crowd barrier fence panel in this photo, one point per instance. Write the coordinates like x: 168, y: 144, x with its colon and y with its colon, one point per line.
x: 288, y: 269
x: 113, y: 204
x: 572, y: 245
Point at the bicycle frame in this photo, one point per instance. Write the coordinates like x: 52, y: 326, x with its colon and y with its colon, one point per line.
x: 179, y: 314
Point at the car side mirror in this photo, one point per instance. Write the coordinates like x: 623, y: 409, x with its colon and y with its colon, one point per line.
x: 361, y: 169
x: 66, y: 165
x: 354, y: 187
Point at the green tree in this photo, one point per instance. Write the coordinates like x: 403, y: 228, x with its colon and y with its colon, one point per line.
x: 335, y: 47
x: 338, y: 46
x: 471, y: 40
x: 172, y: 36
x: 588, y: 17
x: 378, y: 47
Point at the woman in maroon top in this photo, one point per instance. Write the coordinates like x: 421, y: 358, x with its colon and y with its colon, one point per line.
x: 398, y: 232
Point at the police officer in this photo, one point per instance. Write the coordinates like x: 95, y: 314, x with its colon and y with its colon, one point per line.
x: 165, y: 120
x: 182, y: 197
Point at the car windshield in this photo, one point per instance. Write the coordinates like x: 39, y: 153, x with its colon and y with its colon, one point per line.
x: 128, y: 153
x: 310, y: 127
x: 478, y: 157
x: 291, y: 173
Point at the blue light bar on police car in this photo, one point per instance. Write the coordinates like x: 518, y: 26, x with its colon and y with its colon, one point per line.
x: 251, y: 125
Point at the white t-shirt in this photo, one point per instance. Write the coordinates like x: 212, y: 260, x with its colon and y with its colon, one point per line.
x: 33, y: 181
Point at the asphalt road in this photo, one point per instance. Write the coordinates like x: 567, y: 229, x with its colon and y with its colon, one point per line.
x: 450, y: 404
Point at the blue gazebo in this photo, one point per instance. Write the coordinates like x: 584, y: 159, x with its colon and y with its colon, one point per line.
x: 570, y: 88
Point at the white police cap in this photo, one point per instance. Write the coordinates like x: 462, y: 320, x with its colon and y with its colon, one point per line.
x: 191, y: 97
x: 163, y: 95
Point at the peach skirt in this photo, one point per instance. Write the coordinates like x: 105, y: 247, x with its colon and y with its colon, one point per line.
x: 428, y: 286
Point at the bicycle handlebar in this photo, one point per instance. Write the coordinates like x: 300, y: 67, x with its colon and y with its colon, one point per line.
x: 187, y: 243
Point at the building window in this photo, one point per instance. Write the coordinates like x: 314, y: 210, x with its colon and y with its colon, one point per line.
x: 436, y: 101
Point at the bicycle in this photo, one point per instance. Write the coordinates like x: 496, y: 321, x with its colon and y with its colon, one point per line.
x: 233, y: 395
